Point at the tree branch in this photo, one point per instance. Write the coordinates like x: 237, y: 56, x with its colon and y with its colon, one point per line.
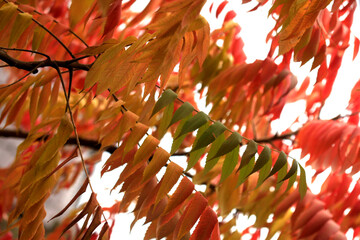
x: 71, y: 141
x: 30, y: 66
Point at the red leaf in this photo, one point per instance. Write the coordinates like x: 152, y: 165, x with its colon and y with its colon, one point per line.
x: 191, y: 214
x: 207, y: 222
x: 220, y: 8
x: 229, y: 16
x: 315, y: 223
x: 113, y: 16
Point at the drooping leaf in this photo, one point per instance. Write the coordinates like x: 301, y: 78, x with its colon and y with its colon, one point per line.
x: 166, y: 98
x: 191, y: 214
x: 302, y: 184
x: 178, y: 140
x: 251, y: 150
x: 183, y: 111
x: 280, y: 162
x: 195, y: 155
x: 171, y: 176
x: 194, y: 123
x: 209, y: 135
x: 22, y: 21
x: 264, y: 157
x: 206, y: 225
x: 146, y: 149
x: 181, y: 193
x: 230, y: 162
x: 158, y: 161
x: 168, y: 113
x: 215, y: 146
x: 292, y: 171
x: 230, y: 143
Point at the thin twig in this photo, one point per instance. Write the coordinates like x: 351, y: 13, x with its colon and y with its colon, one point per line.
x: 76, y: 134
x: 48, y: 31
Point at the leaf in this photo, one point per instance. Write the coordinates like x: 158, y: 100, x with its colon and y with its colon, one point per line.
x: 215, y: 146
x: 246, y: 171
x: 183, y: 111
x: 230, y: 143
x: 146, y: 149
x: 302, y: 185
x: 6, y: 12
x: 138, y: 132
x: 158, y: 161
x: 191, y: 214
x: 194, y: 123
x: 166, y: 118
x: 77, y: 10
x: 195, y: 155
x: 167, y: 97
x: 77, y: 195
x: 251, y: 150
x: 230, y: 163
x: 209, y: 135
x: 265, y: 169
x: 181, y: 193
x: 204, y: 228
x: 171, y: 176
x: 292, y: 171
x: 264, y: 157
x: 22, y: 21
x: 178, y: 140
x: 280, y: 162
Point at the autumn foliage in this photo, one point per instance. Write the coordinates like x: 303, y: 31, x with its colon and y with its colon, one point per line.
x: 84, y: 77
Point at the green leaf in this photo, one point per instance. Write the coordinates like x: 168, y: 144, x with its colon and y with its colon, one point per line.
x: 230, y: 143
x: 165, y: 120
x: 302, y: 184
x: 210, y: 160
x: 281, y: 174
x: 249, y: 153
x: 166, y: 98
x: 6, y: 13
x: 264, y: 157
x: 291, y: 182
x: 230, y: 162
x: 194, y: 123
x: 265, y: 169
x: 22, y: 21
x: 178, y: 140
x: 245, y: 171
x: 209, y: 135
x: 195, y: 155
x: 183, y: 111
x: 280, y: 162
x: 292, y: 171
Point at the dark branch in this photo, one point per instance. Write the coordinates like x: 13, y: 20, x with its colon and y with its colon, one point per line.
x: 71, y: 141
x: 30, y: 66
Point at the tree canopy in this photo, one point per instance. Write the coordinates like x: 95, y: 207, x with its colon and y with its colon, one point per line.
x: 84, y: 77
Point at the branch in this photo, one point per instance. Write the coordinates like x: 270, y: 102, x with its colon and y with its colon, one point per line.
x: 30, y: 66
x: 71, y: 141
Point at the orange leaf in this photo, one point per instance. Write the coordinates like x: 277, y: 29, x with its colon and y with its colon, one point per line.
x: 158, y: 161
x: 184, y: 190
x: 191, y: 214
x: 204, y: 228
x: 171, y: 176
x: 146, y: 149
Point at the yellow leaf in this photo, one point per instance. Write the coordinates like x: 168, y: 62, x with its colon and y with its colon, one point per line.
x: 78, y: 9
x: 157, y: 162
x: 138, y: 131
x: 146, y: 149
x: 22, y: 21
x: 6, y: 12
x: 171, y: 176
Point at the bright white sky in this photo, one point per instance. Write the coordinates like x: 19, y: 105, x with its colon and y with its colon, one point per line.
x: 255, y: 26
